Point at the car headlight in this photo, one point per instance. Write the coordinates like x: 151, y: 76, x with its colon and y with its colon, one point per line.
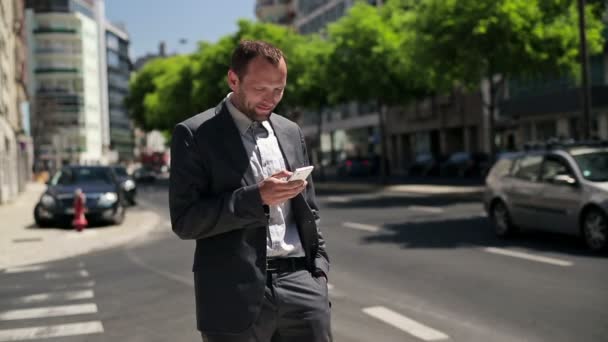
x: 108, y: 199
x: 47, y: 200
x: 128, y: 185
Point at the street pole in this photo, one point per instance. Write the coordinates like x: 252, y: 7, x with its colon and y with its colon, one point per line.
x: 586, y: 89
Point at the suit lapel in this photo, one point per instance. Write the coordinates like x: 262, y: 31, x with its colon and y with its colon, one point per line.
x: 286, y: 142
x: 234, y: 151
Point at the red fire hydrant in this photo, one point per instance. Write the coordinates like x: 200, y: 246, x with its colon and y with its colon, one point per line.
x: 79, y: 221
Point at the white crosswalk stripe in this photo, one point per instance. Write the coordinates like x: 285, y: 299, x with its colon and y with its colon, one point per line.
x: 49, y: 311
x: 54, y: 296
x: 43, y: 332
x: 55, y: 275
x: 22, y: 269
x: 65, y: 286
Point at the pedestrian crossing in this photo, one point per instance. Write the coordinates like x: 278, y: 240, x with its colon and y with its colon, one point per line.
x: 48, y: 303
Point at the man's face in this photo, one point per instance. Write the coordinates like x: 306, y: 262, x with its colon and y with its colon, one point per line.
x: 260, y: 90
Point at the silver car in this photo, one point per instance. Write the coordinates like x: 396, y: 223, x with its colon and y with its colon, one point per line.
x: 562, y: 190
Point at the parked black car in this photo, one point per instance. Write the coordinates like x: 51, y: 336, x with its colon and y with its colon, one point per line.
x: 103, y: 194
x: 424, y: 165
x: 466, y: 164
x: 127, y: 183
x: 145, y: 175
x: 356, y: 167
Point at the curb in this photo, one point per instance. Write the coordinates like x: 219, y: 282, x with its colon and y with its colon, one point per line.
x: 427, y: 189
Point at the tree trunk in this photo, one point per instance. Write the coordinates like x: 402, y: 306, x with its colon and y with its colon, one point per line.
x: 319, y: 149
x: 383, y: 160
x: 491, y: 118
x: 495, y: 87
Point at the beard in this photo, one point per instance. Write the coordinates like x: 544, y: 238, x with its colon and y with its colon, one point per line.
x: 250, y: 109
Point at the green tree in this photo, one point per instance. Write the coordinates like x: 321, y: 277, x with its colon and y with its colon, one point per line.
x: 309, y: 88
x: 160, y: 93
x: 467, y: 41
x: 371, y: 61
x: 212, y: 61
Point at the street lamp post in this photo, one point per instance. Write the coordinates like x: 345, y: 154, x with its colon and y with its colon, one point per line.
x: 586, y: 89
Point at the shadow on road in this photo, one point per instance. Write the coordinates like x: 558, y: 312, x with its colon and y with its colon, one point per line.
x: 474, y: 232
x: 386, y: 201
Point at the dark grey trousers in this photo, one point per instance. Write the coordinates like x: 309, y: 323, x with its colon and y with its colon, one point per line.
x: 295, y: 309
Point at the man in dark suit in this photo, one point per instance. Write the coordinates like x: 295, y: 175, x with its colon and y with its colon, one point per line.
x: 260, y: 265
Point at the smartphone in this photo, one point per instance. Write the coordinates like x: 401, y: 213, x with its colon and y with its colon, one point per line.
x: 301, y: 173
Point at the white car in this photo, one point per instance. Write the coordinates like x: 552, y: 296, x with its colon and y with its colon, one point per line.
x: 561, y: 189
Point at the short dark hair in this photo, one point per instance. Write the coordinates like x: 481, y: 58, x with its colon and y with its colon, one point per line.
x: 248, y: 50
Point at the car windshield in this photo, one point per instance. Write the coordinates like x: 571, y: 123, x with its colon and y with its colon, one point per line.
x: 422, y: 158
x: 458, y: 157
x: 81, y: 175
x: 121, y: 171
x: 594, y: 166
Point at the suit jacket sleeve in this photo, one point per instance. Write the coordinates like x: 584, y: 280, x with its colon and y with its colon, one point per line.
x: 196, y: 212
x: 321, y: 259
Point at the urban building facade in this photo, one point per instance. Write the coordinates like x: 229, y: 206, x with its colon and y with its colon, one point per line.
x: 118, y: 72
x: 456, y: 122
x: 282, y: 12
x: 68, y: 82
x: 540, y: 110
x: 15, y: 143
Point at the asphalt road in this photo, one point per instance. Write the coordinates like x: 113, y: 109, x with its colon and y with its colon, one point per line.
x: 405, y: 267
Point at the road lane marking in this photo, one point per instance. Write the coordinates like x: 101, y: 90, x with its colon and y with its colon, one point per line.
x: 54, y: 275
x: 58, y: 296
x: 50, y: 331
x: 432, y: 210
x: 338, y: 199
x: 401, y: 322
x: 23, y: 269
x: 361, y: 226
x: 50, y: 311
x: 529, y: 256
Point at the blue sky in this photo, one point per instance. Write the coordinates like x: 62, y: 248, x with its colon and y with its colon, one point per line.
x: 150, y: 21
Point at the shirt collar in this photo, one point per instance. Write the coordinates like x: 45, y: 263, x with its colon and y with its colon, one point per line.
x: 242, y: 121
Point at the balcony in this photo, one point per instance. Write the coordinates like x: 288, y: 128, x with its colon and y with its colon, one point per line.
x: 277, y: 11
x: 57, y: 70
x: 51, y: 30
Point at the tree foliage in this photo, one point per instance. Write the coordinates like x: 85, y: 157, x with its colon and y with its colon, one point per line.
x: 403, y: 51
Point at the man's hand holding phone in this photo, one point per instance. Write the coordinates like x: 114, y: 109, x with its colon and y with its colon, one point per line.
x: 276, y: 190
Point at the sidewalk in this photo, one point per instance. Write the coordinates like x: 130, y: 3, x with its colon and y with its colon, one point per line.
x: 23, y: 243
x: 417, y: 187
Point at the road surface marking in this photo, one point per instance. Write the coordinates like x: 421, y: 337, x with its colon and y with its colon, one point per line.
x: 59, y: 296
x: 54, y: 275
x: 408, y: 325
x: 22, y: 269
x: 528, y: 256
x: 338, y: 199
x: 432, y: 210
x: 361, y: 226
x: 50, y: 331
x: 50, y: 311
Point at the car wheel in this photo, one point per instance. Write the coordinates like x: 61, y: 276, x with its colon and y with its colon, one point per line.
x: 595, y: 229
x: 40, y: 222
x: 119, y: 216
x: 503, y: 227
